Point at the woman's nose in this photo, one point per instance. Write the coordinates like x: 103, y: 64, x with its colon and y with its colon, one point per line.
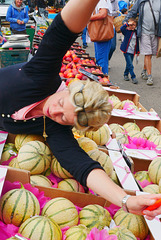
x: 56, y: 111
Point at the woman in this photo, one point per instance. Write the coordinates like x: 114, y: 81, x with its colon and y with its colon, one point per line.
x: 33, y: 90
x: 102, y: 49
x: 17, y: 15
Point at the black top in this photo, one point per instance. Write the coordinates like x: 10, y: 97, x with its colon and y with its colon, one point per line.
x: 24, y: 84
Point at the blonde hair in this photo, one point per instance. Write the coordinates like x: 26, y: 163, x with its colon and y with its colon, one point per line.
x: 93, y: 108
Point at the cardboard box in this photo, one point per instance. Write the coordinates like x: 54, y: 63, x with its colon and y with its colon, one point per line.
x: 140, y: 122
x: 123, y: 94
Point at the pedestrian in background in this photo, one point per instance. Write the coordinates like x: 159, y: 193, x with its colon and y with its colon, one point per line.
x: 148, y: 30
x: 130, y: 47
x: 114, y: 13
x: 102, y: 49
x: 17, y: 15
x: 84, y: 39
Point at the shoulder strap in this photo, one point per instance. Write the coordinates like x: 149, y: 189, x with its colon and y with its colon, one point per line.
x: 153, y: 15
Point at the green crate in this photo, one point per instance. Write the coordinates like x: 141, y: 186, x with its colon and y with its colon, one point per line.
x: 30, y: 32
x: 11, y: 57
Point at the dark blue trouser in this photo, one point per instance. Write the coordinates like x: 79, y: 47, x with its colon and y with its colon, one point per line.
x: 113, y: 45
x: 102, y: 50
x: 129, y: 65
x: 84, y: 36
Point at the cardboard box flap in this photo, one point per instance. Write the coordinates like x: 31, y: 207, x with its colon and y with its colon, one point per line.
x: 17, y: 175
x: 79, y: 199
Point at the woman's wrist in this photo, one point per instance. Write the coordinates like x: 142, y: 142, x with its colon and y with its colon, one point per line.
x: 124, y: 203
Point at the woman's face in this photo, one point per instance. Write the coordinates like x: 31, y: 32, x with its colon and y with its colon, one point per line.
x: 59, y: 108
x: 18, y: 3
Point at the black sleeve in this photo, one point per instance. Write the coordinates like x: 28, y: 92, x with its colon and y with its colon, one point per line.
x: 71, y: 157
x: 46, y: 64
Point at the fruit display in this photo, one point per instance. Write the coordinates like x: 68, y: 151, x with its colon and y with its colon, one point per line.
x: 58, y: 170
x: 71, y: 185
x: 22, y: 139
x: 94, y: 215
x: 151, y: 188
x: 87, y: 144
x: 9, y: 150
x: 62, y: 211
x: 122, y: 233
x: 18, y: 205
x: 103, y: 159
x: 40, y: 227
x: 135, y: 223
x: 124, y: 104
x: 34, y: 156
x: 154, y: 170
x: 77, y: 232
x: 101, y: 136
x: 40, y: 180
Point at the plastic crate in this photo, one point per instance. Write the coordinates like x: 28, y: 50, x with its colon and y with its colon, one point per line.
x: 11, y: 57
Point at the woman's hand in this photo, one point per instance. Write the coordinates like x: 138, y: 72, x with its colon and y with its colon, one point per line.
x: 138, y: 204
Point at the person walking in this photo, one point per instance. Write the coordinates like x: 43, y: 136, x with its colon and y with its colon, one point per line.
x: 130, y: 47
x: 17, y: 15
x: 115, y: 13
x: 102, y: 49
x: 148, y: 30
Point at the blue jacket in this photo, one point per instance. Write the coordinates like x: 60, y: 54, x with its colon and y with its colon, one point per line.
x: 127, y: 37
x: 137, y: 9
x: 13, y: 15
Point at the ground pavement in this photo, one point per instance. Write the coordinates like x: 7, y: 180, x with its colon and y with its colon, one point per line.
x: 150, y: 96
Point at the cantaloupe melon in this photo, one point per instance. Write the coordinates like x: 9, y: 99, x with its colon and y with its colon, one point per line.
x: 77, y: 233
x: 150, y: 130
x: 101, y: 136
x: 94, y: 215
x: 113, y: 97
x: 154, y: 170
x: 22, y: 139
x: 116, y: 128
x: 58, y: 170
x: 62, y: 211
x: 71, y: 185
x: 122, y: 138
x: 40, y: 180
x: 129, y: 102
x: 152, y: 188
x: 142, y: 175
x: 40, y: 228
x: 122, y: 233
x: 156, y: 139
x: 9, y: 150
x: 17, y: 205
x: 131, y: 126
x: 136, y: 134
x: 14, y: 163
x: 160, y: 186
x: 87, y: 144
x: 35, y: 157
x: 103, y: 159
x: 135, y: 223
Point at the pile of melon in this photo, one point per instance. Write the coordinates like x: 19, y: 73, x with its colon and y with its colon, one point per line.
x: 125, y: 104
x: 33, y: 154
x: 132, y: 130
x: 59, y: 215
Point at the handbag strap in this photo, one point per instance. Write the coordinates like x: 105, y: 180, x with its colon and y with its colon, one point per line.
x: 153, y: 14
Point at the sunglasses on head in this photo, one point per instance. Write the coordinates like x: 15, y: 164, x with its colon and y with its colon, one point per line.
x: 79, y: 102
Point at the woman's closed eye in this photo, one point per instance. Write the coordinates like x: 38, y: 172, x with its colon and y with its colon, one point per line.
x: 61, y: 102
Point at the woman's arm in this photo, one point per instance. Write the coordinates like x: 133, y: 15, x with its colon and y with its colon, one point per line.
x: 77, y: 13
x: 101, y: 15
x: 101, y: 184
